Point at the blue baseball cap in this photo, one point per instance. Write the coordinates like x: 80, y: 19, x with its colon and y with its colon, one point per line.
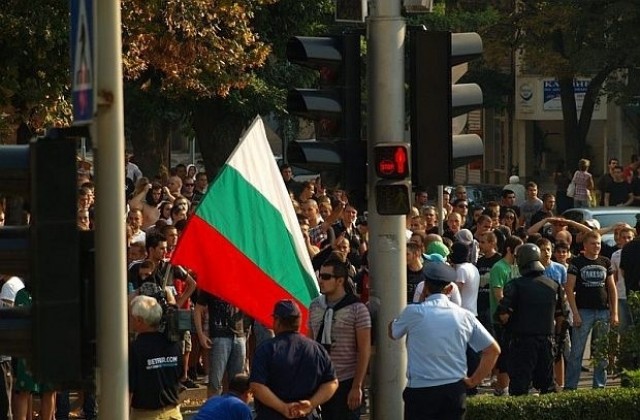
x: 286, y: 308
x: 440, y: 272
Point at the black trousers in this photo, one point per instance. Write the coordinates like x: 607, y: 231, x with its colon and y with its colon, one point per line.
x: 444, y: 402
x: 337, y: 408
x: 530, y: 361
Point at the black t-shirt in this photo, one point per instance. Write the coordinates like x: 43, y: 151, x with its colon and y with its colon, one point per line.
x: 607, y: 250
x: 158, y: 275
x: 484, y: 265
x: 591, y: 275
x: 413, y: 279
x: 630, y: 263
x: 225, y: 320
x: 293, y: 367
x: 155, y: 369
x: 618, y: 192
x: 603, y: 185
x: 540, y: 215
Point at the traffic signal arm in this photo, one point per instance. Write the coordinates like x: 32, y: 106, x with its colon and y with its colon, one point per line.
x: 436, y: 150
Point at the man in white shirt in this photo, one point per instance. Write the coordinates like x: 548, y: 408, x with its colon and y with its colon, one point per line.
x: 468, y: 281
x: 622, y: 237
x: 10, y: 286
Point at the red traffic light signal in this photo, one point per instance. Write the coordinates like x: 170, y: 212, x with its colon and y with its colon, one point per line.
x: 392, y: 161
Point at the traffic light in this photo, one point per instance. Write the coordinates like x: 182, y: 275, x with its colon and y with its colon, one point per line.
x: 334, y: 107
x: 437, y: 151
x: 393, y: 189
x: 52, y: 333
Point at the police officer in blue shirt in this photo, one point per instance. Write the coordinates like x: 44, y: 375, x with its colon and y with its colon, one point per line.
x: 438, y: 333
x: 291, y: 375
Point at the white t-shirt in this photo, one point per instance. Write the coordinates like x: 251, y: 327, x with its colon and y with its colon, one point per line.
x: 454, y: 294
x: 620, y: 286
x: 7, y: 296
x: 9, y: 290
x: 469, y: 281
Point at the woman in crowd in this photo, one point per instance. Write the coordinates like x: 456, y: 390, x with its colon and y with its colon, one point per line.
x: 583, y: 181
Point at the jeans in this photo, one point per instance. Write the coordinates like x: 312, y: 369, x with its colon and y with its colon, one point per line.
x: 578, y: 342
x: 624, y: 315
x: 227, y: 354
x: 581, y: 203
x: 63, y: 405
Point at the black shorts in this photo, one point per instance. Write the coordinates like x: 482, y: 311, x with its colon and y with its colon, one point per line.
x: 503, y: 337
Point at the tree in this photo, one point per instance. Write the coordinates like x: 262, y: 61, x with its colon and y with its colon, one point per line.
x: 186, y: 63
x: 569, y: 39
x: 218, y: 122
x: 176, y: 53
x: 228, y: 83
x: 34, y: 70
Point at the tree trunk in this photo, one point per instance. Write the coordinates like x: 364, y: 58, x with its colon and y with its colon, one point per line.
x: 576, y: 129
x: 150, y: 140
x: 217, y: 132
x: 573, y: 140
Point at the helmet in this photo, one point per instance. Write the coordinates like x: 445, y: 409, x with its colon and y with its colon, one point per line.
x: 528, y: 259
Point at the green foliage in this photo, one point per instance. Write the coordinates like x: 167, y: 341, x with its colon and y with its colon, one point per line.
x: 34, y: 70
x: 630, y: 378
x: 612, y: 403
x: 621, y: 347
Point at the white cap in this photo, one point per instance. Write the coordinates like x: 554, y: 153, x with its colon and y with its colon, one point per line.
x: 592, y: 223
x: 10, y: 288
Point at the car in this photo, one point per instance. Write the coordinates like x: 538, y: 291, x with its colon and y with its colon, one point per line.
x: 299, y: 174
x: 606, y: 216
x: 477, y: 194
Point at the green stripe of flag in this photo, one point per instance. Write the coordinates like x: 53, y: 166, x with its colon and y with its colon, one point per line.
x: 243, y: 215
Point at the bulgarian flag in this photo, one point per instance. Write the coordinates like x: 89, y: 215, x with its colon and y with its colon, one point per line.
x: 244, y: 242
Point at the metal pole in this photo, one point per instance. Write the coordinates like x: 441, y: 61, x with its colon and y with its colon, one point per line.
x: 111, y: 299
x: 387, y: 253
x: 192, y: 150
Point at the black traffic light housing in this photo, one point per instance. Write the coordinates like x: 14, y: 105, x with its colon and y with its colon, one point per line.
x: 56, y: 333
x: 435, y: 101
x: 334, y: 105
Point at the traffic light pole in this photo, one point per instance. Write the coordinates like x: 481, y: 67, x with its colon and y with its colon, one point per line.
x: 111, y: 301
x: 387, y: 245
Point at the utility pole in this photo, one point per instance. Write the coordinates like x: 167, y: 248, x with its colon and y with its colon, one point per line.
x: 112, y: 344
x: 387, y: 253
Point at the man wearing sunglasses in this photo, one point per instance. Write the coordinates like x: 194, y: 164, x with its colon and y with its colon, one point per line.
x: 342, y: 324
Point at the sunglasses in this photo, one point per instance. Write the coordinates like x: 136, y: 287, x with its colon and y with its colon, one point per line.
x: 326, y: 276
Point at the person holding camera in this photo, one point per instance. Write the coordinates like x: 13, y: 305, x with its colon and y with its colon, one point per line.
x: 155, y: 364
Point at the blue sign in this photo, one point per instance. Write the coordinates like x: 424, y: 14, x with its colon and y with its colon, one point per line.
x: 82, y: 61
x: 551, y: 93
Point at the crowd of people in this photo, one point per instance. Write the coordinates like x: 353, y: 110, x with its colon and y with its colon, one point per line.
x: 618, y: 186
x: 538, y: 283
x: 513, y: 288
